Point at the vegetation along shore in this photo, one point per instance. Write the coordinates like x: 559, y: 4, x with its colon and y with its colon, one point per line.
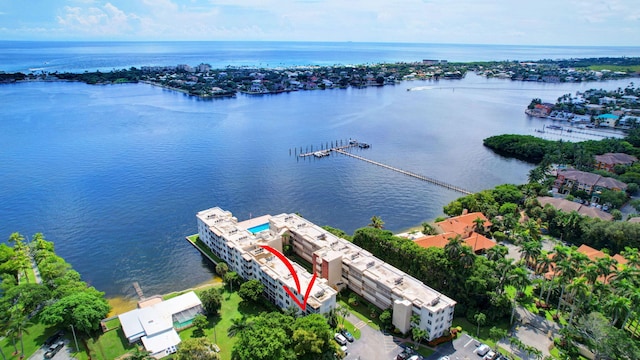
x: 205, y: 82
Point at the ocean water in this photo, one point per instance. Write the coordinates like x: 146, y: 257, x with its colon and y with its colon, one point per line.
x: 28, y: 56
x: 114, y: 174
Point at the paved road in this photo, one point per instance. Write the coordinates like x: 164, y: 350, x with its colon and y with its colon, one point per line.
x: 64, y: 353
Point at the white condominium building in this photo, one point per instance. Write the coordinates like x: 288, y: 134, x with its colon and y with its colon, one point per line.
x: 338, y: 263
x: 239, y: 245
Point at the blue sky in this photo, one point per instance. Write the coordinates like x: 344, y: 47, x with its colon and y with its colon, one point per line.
x: 533, y: 22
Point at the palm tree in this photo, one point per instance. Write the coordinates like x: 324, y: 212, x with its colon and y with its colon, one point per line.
x: 543, y: 265
x: 497, y: 252
x: 343, y: 312
x: 466, y: 257
x: 230, y: 278
x: 478, y: 225
x: 560, y: 253
x: 577, y: 290
x: 419, y: 334
x: 606, y: 265
x: 139, y: 354
x: 529, y: 251
x: 480, y: 319
x: 222, y: 268
x: 618, y: 307
x: 238, y: 325
x: 454, y: 247
x: 376, y: 222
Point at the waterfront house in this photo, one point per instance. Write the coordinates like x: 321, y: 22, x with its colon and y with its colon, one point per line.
x: 609, y: 160
x: 463, y: 225
x: 571, y: 179
x: 154, y: 323
x: 479, y: 243
x: 569, y: 206
x: 607, y: 120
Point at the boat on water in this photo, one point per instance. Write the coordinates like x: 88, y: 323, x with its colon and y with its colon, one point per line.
x: 554, y: 127
x: 322, y: 153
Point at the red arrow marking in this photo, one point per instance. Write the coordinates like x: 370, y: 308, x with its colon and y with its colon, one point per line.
x: 303, y: 304
x: 286, y: 262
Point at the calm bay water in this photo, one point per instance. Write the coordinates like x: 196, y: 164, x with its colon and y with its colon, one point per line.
x: 115, y: 174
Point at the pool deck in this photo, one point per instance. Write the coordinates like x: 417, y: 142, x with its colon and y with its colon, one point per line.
x: 248, y: 224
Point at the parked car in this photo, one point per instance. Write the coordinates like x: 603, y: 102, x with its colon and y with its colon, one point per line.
x: 483, y: 349
x: 347, y: 335
x: 491, y: 355
x: 444, y: 358
x: 54, y: 338
x: 53, y: 350
x: 344, y: 350
x: 340, y: 339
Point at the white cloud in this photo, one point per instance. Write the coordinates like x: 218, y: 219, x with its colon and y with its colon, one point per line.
x: 106, y: 20
x: 559, y: 22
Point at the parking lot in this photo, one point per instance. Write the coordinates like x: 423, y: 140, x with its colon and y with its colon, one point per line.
x: 64, y: 353
x: 373, y: 344
x: 462, y: 348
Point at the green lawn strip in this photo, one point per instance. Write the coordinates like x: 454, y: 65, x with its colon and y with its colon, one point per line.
x: 302, y: 262
x: 33, y: 338
x: 632, y: 68
x: 110, y: 345
x: 424, y: 351
x: 195, y: 239
x: 471, y: 329
x: 113, y: 323
x: 350, y: 328
x: 361, y: 311
x: 232, y: 308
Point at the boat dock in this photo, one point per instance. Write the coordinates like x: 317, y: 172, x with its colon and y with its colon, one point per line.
x: 414, y: 175
x: 136, y: 286
x: 326, y: 151
x: 342, y: 147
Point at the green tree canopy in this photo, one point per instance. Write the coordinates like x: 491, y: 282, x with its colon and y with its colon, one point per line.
x: 83, y: 310
x: 211, y: 300
x: 251, y: 290
x: 196, y: 349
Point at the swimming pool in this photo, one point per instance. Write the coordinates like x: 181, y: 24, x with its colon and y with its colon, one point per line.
x: 258, y: 228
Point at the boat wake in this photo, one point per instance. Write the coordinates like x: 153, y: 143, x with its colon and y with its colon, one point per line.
x: 420, y: 88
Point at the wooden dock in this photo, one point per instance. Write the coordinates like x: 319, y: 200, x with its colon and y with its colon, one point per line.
x: 136, y: 286
x: 414, y: 175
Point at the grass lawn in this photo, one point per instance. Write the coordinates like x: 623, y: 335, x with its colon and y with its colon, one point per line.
x: 471, y: 329
x: 195, y: 239
x: 424, y: 351
x: 362, y: 310
x: 113, y: 323
x: 634, y: 68
x: 350, y: 328
x: 232, y: 308
x: 33, y: 337
x: 109, y: 345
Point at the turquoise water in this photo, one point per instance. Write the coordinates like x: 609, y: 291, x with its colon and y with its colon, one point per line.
x: 257, y: 229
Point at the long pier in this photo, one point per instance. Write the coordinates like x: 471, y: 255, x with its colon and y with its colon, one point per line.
x: 414, y: 175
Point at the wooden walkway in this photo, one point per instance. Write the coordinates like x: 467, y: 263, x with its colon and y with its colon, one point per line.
x: 417, y: 176
x: 136, y: 286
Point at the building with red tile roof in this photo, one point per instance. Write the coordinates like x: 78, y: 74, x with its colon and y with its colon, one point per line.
x: 463, y: 225
x: 609, y: 160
